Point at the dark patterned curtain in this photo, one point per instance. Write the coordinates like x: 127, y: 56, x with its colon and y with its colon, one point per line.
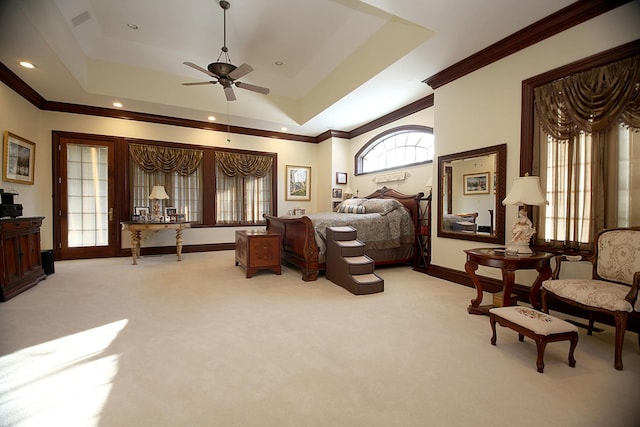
x: 243, y: 187
x: 152, y: 158
x: 577, y: 147
x: 233, y: 164
x: 591, y: 101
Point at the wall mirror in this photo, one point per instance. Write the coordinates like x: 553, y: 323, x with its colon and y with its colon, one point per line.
x: 471, y: 189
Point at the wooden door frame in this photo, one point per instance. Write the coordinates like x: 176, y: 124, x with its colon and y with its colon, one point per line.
x: 120, y: 177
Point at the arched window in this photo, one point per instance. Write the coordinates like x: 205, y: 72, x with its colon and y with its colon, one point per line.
x: 399, y: 147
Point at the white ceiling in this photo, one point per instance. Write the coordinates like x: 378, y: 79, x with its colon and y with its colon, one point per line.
x: 345, y: 62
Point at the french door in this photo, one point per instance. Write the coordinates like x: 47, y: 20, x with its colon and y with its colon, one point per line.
x: 85, y: 223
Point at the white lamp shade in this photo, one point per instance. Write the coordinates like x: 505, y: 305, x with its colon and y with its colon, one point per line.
x: 158, y: 193
x: 348, y: 190
x: 525, y: 190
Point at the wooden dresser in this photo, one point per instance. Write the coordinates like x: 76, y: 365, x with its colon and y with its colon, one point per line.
x: 20, y: 257
x: 258, y: 249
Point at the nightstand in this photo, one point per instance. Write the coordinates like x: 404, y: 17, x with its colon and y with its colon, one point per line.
x: 258, y: 249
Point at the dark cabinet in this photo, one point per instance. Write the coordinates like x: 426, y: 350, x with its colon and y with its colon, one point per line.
x: 20, y: 257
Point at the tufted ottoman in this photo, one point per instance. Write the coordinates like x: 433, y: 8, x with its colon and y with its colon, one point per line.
x: 540, y: 327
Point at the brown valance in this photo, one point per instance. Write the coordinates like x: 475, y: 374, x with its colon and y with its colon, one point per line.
x: 153, y: 158
x: 591, y: 101
x: 233, y: 164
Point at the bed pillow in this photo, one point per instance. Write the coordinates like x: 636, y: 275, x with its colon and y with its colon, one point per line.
x: 352, y: 209
x: 381, y: 206
x: 349, y: 202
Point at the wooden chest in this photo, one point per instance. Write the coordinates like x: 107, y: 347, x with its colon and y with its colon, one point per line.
x: 258, y: 249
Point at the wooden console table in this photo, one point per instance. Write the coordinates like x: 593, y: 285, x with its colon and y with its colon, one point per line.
x: 491, y: 257
x: 136, y: 229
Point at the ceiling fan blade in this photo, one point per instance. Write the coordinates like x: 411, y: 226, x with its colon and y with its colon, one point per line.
x: 228, y: 92
x: 199, y: 68
x: 241, y: 71
x: 212, y: 82
x: 254, y: 88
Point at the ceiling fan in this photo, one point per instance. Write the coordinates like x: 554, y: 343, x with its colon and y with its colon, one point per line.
x: 225, y: 72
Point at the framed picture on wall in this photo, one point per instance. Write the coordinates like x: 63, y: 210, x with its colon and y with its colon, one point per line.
x: 341, y: 177
x: 476, y: 183
x: 298, y: 182
x: 19, y: 159
x: 336, y: 193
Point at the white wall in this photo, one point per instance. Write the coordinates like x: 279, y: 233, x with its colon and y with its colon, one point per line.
x: 21, y: 118
x: 483, y: 108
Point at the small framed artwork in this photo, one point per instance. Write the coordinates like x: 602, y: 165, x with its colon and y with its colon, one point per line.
x: 341, y: 177
x: 19, y: 159
x: 168, y: 211
x: 336, y: 193
x: 178, y: 218
x: 476, y: 183
x: 298, y: 182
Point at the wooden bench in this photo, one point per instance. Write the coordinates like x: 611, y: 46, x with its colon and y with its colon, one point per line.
x: 539, y: 326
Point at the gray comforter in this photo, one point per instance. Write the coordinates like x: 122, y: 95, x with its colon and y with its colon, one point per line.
x: 377, y: 231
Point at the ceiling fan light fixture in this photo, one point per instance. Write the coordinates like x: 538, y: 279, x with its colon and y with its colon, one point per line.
x: 224, y: 71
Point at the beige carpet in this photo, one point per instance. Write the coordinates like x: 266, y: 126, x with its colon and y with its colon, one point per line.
x: 194, y: 343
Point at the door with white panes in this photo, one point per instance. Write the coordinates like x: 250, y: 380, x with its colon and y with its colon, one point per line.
x: 85, y: 200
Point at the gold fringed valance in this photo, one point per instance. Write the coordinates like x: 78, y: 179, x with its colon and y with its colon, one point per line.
x: 591, y: 101
x: 233, y: 164
x: 152, y: 158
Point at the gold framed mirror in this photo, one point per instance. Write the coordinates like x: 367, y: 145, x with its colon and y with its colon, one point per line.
x: 470, y: 193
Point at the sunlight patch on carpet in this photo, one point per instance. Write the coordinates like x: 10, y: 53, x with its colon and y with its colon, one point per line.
x: 48, y: 383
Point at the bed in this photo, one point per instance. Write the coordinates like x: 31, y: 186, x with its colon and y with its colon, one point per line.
x: 387, y: 222
x: 465, y: 222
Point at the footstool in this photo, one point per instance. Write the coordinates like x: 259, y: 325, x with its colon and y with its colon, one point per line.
x: 539, y: 326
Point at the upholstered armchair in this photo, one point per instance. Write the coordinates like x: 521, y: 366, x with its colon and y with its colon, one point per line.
x: 613, y: 288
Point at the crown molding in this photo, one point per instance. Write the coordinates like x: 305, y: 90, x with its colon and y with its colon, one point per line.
x: 553, y: 24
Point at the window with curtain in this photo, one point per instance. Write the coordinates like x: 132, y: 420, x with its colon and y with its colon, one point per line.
x: 178, y: 170
x: 399, y: 147
x: 244, y: 187
x: 586, y: 146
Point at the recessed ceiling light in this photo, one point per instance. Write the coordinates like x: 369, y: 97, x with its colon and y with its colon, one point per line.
x: 283, y: 129
x: 26, y: 64
x: 212, y: 118
x: 279, y: 63
x: 117, y: 104
x: 133, y: 26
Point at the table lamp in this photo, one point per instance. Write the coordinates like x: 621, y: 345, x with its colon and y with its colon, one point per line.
x: 348, y: 193
x: 157, y: 193
x: 526, y: 190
